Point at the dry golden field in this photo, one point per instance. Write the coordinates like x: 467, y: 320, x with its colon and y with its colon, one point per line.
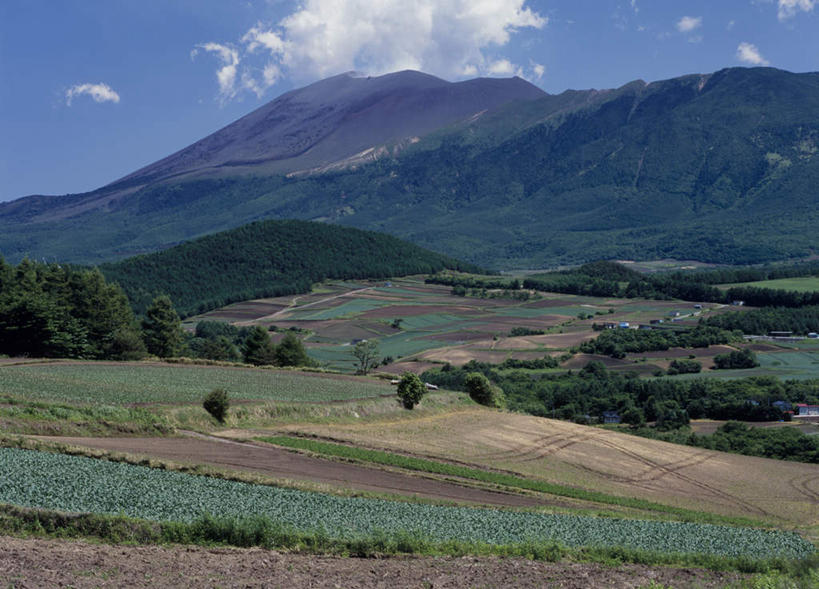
x: 781, y: 492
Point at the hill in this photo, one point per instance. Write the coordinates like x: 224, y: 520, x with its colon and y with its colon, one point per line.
x: 267, y: 258
x: 718, y: 167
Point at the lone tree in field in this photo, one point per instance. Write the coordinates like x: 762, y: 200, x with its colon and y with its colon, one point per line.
x: 217, y: 403
x: 410, y: 390
x: 162, y: 329
x: 484, y: 392
x: 366, y: 355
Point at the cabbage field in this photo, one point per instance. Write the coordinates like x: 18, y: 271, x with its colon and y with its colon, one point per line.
x: 78, y: 484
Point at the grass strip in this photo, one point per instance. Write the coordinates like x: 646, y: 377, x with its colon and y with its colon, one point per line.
x: 497, y: 478
x: 245, y: 532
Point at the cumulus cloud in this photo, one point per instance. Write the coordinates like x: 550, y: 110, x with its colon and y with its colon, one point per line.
x: 748, y: 53
x: 226, y: 75
x: 789, y: 8
x: 99, y: 92
x: 689, y: 23
x: 449, y: 38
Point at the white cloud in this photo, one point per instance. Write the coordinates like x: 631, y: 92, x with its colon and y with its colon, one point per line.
x: 225, y: 75
x: 789, y: 8
x: 99, y: 92
x: 448, y: 38
x: 688, y: 23
x: 538, y: 70
x: 749, y: 53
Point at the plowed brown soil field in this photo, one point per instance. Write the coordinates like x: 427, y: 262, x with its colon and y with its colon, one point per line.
x: 36, y: 563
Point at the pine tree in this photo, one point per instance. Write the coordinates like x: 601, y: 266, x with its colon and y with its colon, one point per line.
x: 162, y: 329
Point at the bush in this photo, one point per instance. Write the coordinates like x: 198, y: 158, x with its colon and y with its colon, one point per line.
x: 410, y: 390
x: 484, y: 392
x: 217, y: 403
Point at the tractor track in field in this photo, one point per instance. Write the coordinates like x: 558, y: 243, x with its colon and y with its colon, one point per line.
x: 801, y: 484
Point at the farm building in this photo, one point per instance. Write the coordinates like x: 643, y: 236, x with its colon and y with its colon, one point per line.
x: 782, y: 405
x: 780, y: 333
x: 644, y: 327
x: 611, y: 417
x: 698, y: 306
x: 813, y: 335
x: 805, y: 410
x: 738, y: 303
x: 623, y: 325
x: 673, y: 313
x: 656, y: 321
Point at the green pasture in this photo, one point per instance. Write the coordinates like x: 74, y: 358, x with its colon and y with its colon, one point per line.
x: 799, y: 284
x: 119, y: 384
x: 795, y: 365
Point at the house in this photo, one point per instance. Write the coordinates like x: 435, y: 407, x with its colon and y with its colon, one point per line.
x: 805, y: 410
x: 623, y: 325
x: 813, y: 335
x: 610, y: 325
x: 782, y: 405
x: 611, y: 417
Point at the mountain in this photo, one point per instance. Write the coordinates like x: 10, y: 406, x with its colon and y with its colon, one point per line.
x: 715, y: 167
x: 267, y: 258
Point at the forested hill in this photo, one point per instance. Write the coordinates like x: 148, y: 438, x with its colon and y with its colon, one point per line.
x: 267, y: 258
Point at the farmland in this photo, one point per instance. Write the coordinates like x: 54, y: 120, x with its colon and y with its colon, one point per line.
x: 77, y: 484
x: 417, y: 322
x: 146, y: 383
x: 799, y: 284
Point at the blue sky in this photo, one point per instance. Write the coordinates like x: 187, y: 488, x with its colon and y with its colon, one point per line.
x: 94, y: 89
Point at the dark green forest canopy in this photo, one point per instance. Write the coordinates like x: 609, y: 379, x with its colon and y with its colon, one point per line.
x: 268, y: 258
x: 49, y: 310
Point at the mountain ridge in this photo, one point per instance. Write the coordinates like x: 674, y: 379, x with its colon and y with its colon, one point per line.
x: 695, y: 167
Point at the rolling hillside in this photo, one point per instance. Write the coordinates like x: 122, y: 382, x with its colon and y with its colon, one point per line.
x: 268, y: 258
x: 719, y: 167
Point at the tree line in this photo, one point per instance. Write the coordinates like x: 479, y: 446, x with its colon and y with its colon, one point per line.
x: 585, y: 395
x: 55, y: 311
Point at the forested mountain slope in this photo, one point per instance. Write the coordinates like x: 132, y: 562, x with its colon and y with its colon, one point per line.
x: 719, y: 167
x: 268, y: 258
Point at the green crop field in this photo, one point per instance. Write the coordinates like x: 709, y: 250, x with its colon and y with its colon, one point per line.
x: 801, y: 284
x: 146, y: 383
x: 77, y: 484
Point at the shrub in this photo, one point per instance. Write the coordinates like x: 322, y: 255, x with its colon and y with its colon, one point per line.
x: 410, y: 390
x: 484, y: 392
x: 217, y: 403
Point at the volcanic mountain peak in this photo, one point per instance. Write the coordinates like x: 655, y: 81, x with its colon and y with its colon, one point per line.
x: 334, y: 119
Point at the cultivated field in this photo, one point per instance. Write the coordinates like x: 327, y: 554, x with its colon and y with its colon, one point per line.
x: 146, y: 383
x: 418, y: 322
x: 78, y: 484
x: 620, y: 464
x: 800, y: 284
